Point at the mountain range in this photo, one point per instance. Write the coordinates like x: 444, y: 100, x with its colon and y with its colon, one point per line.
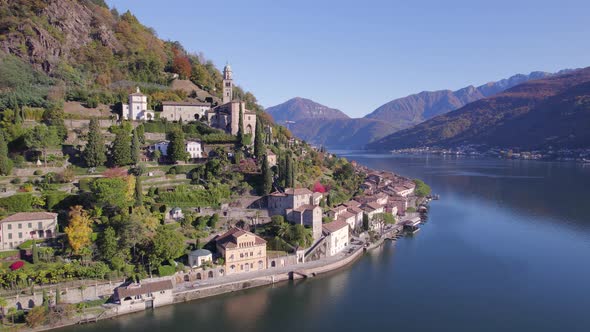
x: 339, y: 131
x: 548, y: 112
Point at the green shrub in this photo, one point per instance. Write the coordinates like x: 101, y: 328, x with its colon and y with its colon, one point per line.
x: 17, y: 203
x: 166, y: 270
x: 38, y: 172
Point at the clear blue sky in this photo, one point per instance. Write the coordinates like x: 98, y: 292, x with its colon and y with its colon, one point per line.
x: 358, y: 55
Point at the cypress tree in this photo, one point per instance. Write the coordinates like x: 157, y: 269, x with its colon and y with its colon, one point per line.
x: 241, y: 127
x: 135, y: 148
x: 138, y: 192
x: 121, y: 148
x: 34, y: 253
x: 289, y: 172
x: 5, y: 161
x: 94, y: 153
x: 266, y: 176
x: 293, y: 173
x: 141, y: 133
x: 259, y: 149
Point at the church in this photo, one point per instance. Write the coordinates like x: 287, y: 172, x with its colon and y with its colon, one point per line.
x: 227, y: 115
x: 137, y: 109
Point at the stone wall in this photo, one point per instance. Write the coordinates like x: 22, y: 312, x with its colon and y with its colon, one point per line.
x: 67, y: 295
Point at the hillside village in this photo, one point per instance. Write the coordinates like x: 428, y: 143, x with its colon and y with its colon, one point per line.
x: 135, y: 174
x: 133, y: 203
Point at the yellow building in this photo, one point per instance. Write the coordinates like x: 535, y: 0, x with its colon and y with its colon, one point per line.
x: 242, y: 251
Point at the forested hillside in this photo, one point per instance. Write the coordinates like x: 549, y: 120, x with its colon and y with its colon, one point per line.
x: 51, y: 51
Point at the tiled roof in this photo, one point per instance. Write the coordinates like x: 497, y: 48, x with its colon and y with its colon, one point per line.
x: 305, y: 207
x: 371, y: 206
x: 352, y: 203
x: 354, y: 209
x: 230, y: 238
x: 200, y: 252
x: 139, y: 289
x: 346, y: 215
x: 334, y: 226
x: 27, y: 216
x: 183, y: 103
x: 298, y: 191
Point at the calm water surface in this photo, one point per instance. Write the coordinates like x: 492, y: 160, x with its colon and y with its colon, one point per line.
x: 507, y: 248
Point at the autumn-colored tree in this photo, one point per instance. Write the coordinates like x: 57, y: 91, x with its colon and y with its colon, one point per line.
x: 78, y: 230
x: 181, y: 64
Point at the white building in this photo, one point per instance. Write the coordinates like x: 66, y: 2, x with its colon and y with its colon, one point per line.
x: 176, y: 213
x: 337, y: 235
x: 193, y: 147
x: 137, y: 297
x: 137, y: 109
x: 185, y: 111
x: 23, y: 226
x: 197, y: 257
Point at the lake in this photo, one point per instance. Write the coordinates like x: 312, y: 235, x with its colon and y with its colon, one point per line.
x: 506, y: 248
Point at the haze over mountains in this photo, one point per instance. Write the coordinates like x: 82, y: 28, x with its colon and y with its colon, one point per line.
x: 549, y: 112
x: 337, y: 130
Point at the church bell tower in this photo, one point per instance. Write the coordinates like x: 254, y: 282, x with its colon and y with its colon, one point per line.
x: 228, y: 84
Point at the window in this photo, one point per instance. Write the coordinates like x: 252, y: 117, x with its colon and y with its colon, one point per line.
x: 9, y: 226
x: 9, y: 236
x: 30, y: 225
x: 40, y: 225
x: 251, y: 253
x: 20, y: 226
x: 20, y: 235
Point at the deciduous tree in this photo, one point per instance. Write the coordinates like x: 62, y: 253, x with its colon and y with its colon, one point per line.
x: 79, y: 229
x: 40, y: 138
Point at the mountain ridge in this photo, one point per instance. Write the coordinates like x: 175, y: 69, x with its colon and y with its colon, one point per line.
x: 550, y: 111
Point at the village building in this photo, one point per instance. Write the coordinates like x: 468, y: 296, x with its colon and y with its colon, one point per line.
x: 371, y: 209
x: 335, y: 212
x: 352, y: 203
x: 337, y: 236
x: 198, y: 257
x: 227, y: 116
x: 141, y: 296
x: 316, y: 198
x: 242, y: 251
x: 184, y: 111
x: 176, y: 214
x: 137, y: 109
x: 291, y: 198
x: 193, y: 147
x: 405, y: 189
x: 401, y: 204
x: 298, y: 206
x: 391, y: 208
x: 358, y: 213
x: 23, y: 226
x: 310, y: 216
x: 348, y: 218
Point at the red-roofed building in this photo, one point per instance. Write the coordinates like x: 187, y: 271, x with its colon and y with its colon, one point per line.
x: 242, y: 251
